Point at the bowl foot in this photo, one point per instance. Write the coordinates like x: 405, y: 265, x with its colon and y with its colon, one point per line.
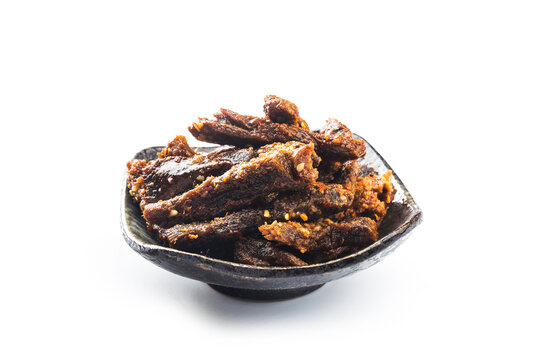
x: 272, y: 294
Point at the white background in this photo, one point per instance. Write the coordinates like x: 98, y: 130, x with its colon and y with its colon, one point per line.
x: 447, y: 91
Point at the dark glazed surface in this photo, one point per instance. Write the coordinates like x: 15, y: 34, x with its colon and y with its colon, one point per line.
x: 403, y: 216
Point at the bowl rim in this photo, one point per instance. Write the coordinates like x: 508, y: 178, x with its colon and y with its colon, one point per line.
x: 415, y: 219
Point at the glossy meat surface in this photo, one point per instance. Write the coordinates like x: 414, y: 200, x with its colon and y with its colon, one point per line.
x: 334, y: 142
x: 169, y: 176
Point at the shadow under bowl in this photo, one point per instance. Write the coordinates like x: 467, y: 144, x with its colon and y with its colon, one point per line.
x: 271, y: 283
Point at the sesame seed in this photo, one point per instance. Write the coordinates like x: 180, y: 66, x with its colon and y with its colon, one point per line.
x: 266, y: 213
x: 287, y: 217
x: 173, y: 213
x: 300, y: 167
x: 303, y: 217
x: 200, y: 178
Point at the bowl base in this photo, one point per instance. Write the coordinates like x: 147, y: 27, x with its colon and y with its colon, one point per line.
x: 272, y: 294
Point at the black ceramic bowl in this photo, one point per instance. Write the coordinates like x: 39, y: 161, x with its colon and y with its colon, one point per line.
x: 272, y: 282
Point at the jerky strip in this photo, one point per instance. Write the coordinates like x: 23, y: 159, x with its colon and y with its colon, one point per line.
x: 373, y: 196
x: 318, y: 201
x: 344, y: 173
x: 135, y: 180
x: 257, y: 134
x: 170, y: 176
x: 177, y: 147
x: 233, y: 118
x: 335, y: 140
x: 187, y: 236
x: 323, y: 234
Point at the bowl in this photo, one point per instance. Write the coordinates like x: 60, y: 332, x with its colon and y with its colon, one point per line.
x: 271, y: 283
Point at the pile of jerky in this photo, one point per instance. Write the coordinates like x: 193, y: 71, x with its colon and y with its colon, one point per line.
x: 274, y: 194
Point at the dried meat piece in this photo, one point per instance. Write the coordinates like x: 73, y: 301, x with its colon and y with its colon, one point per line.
x: 260, y: 252
x: 173, y: 175
x: 233, y: 118
x: 135, y: 180
x: 347, y: 175
x: 283, y: 111
x: 198, y: 234
x: 336, y: 141
x: 177, y: 147
x: 373, y: 196
x: 328, y: 170
x: 278, y: 167
x: 259, y: 133
x: 318, y: 201
x: 323, y: 234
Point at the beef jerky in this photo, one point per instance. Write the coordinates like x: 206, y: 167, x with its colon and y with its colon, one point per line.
x: 177, y: 147
x: 336, y: 141
x: 328, y: 170
x: 283, y: 111
x: 258, y: 133
x: 323, y: 234
x: 135, y: 180
x: 348, y: 175
x: 374, y: 194
x: 347, y: 214
x: 173, y: 175
x: 199, y: 234
x: 233, y: 118
x: 318, y: 201
x: 260, y: 252
x: 372, y: 198
x: 345, y: 173
x: 278, y: 167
